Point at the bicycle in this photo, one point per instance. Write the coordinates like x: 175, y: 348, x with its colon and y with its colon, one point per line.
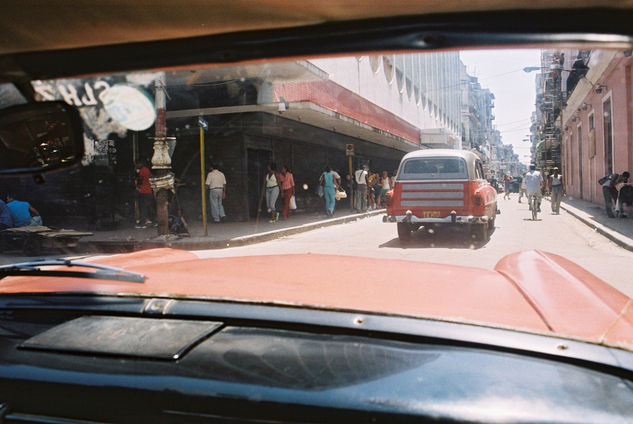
x: 533, y: 203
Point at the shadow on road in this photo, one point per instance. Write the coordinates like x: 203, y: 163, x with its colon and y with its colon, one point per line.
x: 422, y: 239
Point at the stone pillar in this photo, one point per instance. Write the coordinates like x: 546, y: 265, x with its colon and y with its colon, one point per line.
x: 162, y: 180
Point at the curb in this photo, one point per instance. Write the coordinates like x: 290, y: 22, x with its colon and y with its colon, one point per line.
x: 614, y: 236
x: 188, y: 244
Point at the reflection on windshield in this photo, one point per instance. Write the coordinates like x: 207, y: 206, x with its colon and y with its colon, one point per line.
x: 207, y: 156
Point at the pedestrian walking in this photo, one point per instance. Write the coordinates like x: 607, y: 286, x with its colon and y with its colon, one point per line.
x: 271, y: 182
x: 386, y: 186
x: 144, y: 194
x: 556, y: 189
x: 216, y: 183
x: 506, y: 186
x: 533, y: 185
x: 371, y: 182
x: 330, y: 185
x: 609, y: 192
x: 377, y: 188
x: 287, y: 189
x: 5, y: 216
x: 522, y: 189
x: 22, y: 213
x: 360, y: 176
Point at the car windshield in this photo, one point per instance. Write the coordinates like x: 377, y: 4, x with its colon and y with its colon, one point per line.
x: 305, y: 156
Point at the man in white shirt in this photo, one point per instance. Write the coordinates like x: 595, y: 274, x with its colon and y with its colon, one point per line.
x: 533, y: 183
x: 216, y: 183
x: 360, y: 201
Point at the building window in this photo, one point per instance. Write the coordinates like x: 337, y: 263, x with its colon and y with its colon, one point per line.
x: 608, y: 135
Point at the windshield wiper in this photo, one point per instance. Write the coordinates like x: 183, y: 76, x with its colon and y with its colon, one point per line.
x: 103, y: 272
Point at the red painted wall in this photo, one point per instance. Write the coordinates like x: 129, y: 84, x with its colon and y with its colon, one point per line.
x: 332, y: 96
x: 582, y: 171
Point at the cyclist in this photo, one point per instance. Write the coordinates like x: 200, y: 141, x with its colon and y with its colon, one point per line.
x: 533, y: 185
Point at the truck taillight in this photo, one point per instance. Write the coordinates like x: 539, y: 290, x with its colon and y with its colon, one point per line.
x: 478, y: 200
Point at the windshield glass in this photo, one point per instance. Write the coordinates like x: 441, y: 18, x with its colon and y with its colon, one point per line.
x: 305, y: 157
x: 433, y: 169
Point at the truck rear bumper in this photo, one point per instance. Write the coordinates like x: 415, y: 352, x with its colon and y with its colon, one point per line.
x: 453, y: 218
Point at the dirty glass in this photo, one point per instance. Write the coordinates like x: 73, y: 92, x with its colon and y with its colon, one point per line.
x: 301, y: 156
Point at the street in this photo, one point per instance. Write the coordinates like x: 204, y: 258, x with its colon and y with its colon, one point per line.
x: 515, y: 231
x: 561, y: 234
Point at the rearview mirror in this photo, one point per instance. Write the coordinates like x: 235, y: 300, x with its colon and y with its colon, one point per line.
x: 39, y: 137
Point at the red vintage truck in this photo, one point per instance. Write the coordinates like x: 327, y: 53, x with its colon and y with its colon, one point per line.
x: 442, y: 187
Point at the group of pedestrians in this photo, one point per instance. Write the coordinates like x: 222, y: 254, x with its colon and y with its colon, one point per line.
x: 371, y: 188
x: 617, y: 192
x: 616, y: 189
x: 533, y: 186
x: 17, y: 213
x: 277, y: 183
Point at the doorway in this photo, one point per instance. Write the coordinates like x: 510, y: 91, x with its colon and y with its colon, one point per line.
x: 257, y: 159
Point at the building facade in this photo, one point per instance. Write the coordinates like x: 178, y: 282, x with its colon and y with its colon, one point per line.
x: 598, y: 122
x: 303, y: 114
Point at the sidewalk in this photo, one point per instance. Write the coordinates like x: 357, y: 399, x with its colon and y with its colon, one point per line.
x: 228, y: 234
x: 618, y: 230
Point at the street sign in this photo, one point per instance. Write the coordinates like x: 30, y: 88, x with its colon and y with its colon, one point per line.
x: 349, y: 150
x: 202, y: 123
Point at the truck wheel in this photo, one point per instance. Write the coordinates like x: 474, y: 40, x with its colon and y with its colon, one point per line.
x: 404, y: 231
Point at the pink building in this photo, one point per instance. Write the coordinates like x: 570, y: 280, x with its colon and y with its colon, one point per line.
x: 597, y: 133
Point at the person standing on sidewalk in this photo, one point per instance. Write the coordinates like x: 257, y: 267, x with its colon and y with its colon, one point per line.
x: 216, y: 183
x: 360, y: 201
x: 271, y: 182
x: 556, y: 189
x: 144, y: 194
x: 609, y: 192
x: 386, y: 185
x: 287, y: 189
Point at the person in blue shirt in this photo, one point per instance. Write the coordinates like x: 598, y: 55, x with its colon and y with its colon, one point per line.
x: 5, y: 216
x: 22, y: 213
x: 330, y: 184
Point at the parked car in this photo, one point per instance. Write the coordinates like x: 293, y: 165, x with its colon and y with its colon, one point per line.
x: 441, y: 188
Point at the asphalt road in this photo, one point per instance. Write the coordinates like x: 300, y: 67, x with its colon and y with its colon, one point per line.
x: 515, y: 231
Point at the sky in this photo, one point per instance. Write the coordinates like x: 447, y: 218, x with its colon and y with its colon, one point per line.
x: 501, y: 71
